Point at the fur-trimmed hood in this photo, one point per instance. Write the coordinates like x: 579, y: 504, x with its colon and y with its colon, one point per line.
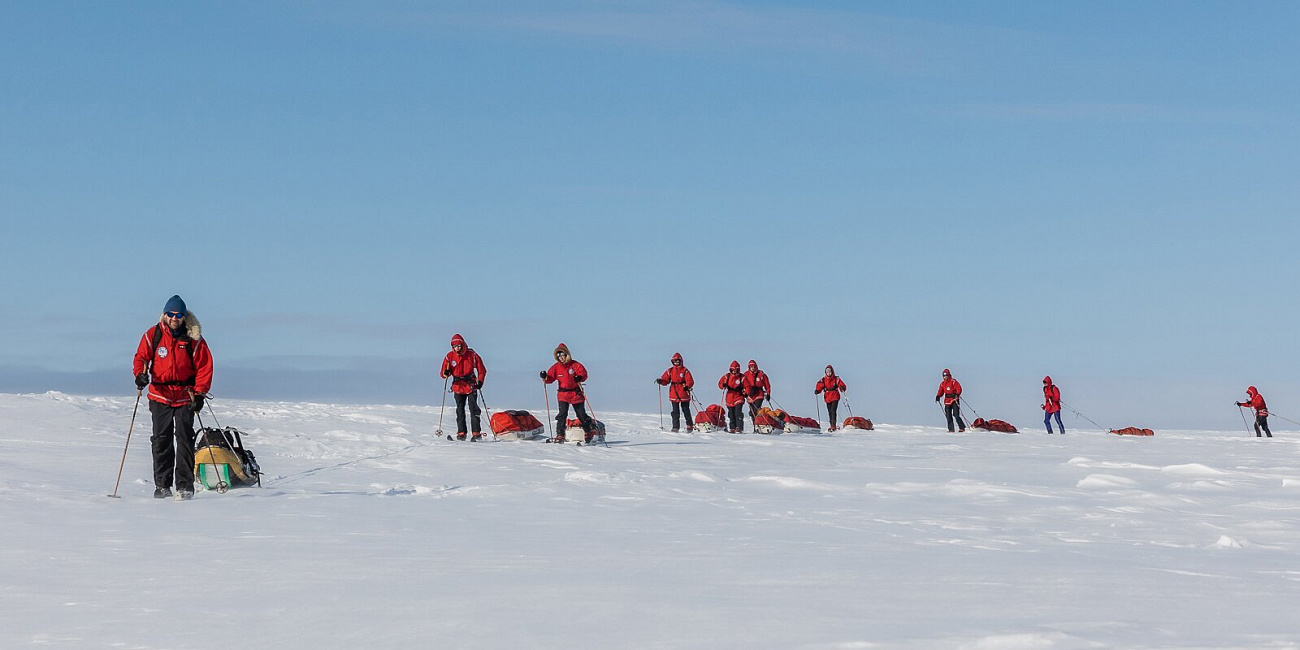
x: 191, y: 325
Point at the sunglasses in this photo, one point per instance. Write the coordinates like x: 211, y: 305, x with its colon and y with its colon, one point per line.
x: 677, y: 362
x: 174, y: 314
x: 561, y: 354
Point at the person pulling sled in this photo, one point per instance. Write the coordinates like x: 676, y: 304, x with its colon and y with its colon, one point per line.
x: 950, y: 393
x: 1052, y: 405
x: 1256, y: 401
x: 467, y: 371
x: 569, y: 374
x: 757, y: 389
x: 679, y: 378
x: 174, y: 362
x: 733, y: 383
x: 830, y: 387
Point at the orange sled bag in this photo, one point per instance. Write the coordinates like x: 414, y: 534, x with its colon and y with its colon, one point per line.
x: 857, y: 423
x: 994, y: 425
x: 1133, y: 431
x: 516, y: 424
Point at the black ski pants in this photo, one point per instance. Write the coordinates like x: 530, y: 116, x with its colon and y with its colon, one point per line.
x: 832, y: 408
x: 578, y: 409
x: 951, y: 411
x: 679, y: 408
x: 736, y: 415
x: 172, y: 425
x: 1261, y: 422
x: 475, y: 425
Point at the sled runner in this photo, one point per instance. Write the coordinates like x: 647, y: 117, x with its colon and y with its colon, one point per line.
x: 712, y: 417
x: 520, y: 425
x: 221, y: 461
x: 999, y: 426
x: 861, y: 424
x: 796, y: 424
x: 1133, y: 431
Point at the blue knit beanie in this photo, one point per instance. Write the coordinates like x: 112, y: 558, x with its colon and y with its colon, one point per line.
x: 175, y: 304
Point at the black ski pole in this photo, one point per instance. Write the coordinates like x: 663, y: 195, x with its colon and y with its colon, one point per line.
x: 438, y: 432
x: 122, y: 465
x: 550, y: 436
x: 661, y: 407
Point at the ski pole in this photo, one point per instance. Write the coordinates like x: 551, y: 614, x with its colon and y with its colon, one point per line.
x: 818, y: 404
x: 846, y: 404
x: 222, y: 486
x: 486, y: 410
x: 1242, y: 411
x: 122, y: 465
x: 438, y: 432
x: 661, y: 407
x: 547, y: 396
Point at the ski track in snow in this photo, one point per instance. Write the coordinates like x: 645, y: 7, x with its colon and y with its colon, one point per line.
x: 370, y: 531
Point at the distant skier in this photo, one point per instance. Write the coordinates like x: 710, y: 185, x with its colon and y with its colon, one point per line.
x: 466, y: 368
x: 570, y: 374
x: 1256, y: 402
x: 173, y: 360
x: 757, y: 389
x: 830, y: 387
x: 950, y: 392
x: 1052, y: 405
x: 679, y: 378
x: 734, y: 399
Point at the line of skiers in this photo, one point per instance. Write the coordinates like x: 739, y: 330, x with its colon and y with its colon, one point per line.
x: 174, y: 362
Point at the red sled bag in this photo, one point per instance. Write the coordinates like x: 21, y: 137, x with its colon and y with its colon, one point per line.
x: 1000, y: 426
x: 712, y: 417
x: 515, y: 424
x: 795, y: 424
x: 764, y: 423
x: 1133, y: 431
x: 857, y: 423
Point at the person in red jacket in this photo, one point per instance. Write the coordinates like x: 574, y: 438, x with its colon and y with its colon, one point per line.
x: 1052, y: 405
x: 950, y: 392
x: 173, y: 360
x: 679, y: 378
x: 1256, y: 401
x: 757, y: 389
x: 734, y: 398
x: 830, y: 388
x: 569, y: 374
x: 466, y: 368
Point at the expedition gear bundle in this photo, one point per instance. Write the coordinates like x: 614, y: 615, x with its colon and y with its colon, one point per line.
x: 516, y: 424
x: 861, y: 424
x: 1133, y: 431
x: 796, y: 424
x: 597, y: 433
x: 221, y: 461
x: 712, y: 417
x: 1000, y: 426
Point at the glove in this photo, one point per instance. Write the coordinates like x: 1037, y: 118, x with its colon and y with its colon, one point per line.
x: 817, y: 391
x: 142, y: 380
x: 936, y: 399
x: 1237, y: 403
x: 661, y: 382
x: 542, y: 374
x: 198, y: 401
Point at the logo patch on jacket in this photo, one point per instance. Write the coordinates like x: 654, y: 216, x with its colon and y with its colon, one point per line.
x: 162, y: 352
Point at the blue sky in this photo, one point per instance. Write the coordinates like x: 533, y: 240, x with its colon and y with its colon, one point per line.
x: 1105, y: 192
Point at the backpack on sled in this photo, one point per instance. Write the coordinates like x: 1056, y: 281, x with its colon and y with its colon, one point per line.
x: 221, y: 461
x: 993, y: 425
x: 767, y: 423
x: 796, y: 424
x: 596, y: 434
x: 1133, y: 431
x: 712, y: 417
x: 859, y: 423
x: 516, y: 424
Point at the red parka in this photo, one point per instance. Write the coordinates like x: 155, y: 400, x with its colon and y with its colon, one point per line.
x: 182, y: 364
x: 757, y: 386
x: 1051, y: 396
x: 830, y: 387
x: 680, y: 379
x: 1256, y: 401
x: 950, y: 389
x: 570, y: 376
x: 463, y: 366
x: 734, y: 383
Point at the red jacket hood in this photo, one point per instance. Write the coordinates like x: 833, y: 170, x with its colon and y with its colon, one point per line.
x: 1251, y: 391
x: 831, y: 368
x: 677, y: 356
x: 1047, y: 380
x: 457, y: 339
x: 753, y: 365
x: 735, y: 366
x: 562, y: 347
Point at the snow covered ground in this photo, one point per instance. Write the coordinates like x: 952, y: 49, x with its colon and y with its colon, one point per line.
x: 371, y: 533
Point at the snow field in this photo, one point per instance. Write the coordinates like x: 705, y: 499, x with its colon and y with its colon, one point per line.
x: 369, y: 531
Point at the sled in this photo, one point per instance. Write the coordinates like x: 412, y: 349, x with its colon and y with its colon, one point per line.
x: 573, y: 432
x: 221, y: 462
x: 857, y: 423
x: 766, y: 423
x: 998, y: 426
x: 712, y: 417
x: 1133, y: 431
x: 796, y: 424
x: 516, y: 425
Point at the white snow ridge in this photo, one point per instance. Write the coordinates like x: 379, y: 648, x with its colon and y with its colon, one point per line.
x: 371, y: 533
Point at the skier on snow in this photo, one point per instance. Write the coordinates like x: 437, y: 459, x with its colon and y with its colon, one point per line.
x: 1052, y: 405
x: 950, y: 391
x: 679, y: 377
x: 1256, y: 402
x: 173, y: 360
x: 757, y: 389
x: 569, y: 374
x: 466, y: 367
x: 734, y: 399
x: 830, y: 388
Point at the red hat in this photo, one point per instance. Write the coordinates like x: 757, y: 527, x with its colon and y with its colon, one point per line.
x: 457, y: 339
